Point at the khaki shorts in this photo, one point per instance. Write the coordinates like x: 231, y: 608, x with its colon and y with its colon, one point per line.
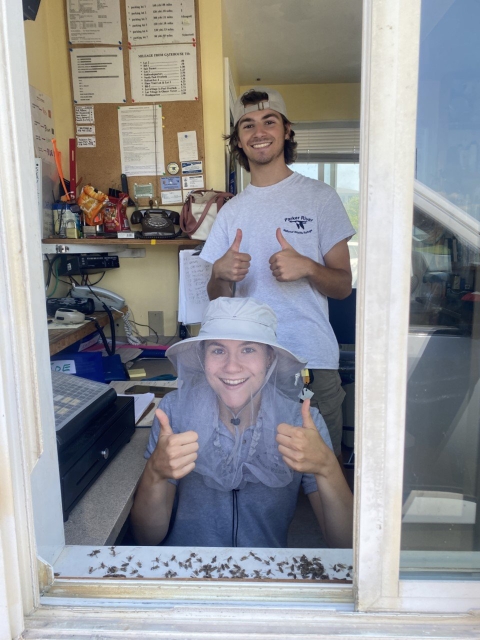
x: 328, y: 398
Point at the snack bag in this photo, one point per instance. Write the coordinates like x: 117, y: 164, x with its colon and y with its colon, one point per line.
x: 115, y: 214
x: 91, y: 203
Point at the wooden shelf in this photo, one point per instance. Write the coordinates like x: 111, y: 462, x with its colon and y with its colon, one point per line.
x: 126, y: 242
x: 60, y: 339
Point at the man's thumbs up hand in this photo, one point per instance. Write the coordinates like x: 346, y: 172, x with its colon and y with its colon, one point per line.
x: 303, y: 448
x: 281, y: 240
x: 287, y: 265
x: 233, y: 266
x: 236, y: 243
x: 175, y: 453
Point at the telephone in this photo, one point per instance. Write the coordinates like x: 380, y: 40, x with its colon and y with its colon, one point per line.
x: 99, y: 296
x: 157, y: 223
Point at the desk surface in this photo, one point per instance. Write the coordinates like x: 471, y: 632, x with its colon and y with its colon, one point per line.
x: 61, y: 338
x: 99, y: 516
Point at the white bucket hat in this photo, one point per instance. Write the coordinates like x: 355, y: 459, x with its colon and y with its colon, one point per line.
x: 274, y: 102
x: 240, y: 319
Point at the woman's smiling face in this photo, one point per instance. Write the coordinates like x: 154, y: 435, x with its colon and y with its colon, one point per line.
x: 236, y: 370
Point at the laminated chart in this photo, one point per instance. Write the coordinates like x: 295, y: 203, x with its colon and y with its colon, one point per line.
x: 160, y: 22
x: 167, y: 72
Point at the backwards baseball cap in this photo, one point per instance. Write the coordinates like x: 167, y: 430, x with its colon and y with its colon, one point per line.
x: 274, y: 101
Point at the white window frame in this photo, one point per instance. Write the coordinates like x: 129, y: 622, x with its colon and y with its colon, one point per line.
x: 27, y: 451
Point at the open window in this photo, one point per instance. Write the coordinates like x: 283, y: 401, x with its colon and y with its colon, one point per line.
x: 390, y: 60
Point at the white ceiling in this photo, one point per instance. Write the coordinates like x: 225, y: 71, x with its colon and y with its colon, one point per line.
x: 295, y: 41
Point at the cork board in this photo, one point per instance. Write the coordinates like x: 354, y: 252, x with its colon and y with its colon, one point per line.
x: 101, y: 165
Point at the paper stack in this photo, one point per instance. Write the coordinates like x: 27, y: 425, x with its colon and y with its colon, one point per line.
x: 192, y: 295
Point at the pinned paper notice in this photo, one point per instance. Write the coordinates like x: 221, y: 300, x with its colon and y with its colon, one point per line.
x: 141, y: 140
x: 86, y: 129
x: 187, y: 145
x: 168, y: 184
x: 97, y: 75
x: 149, y: 24
x: 193, y: 182
x: 192, y: 168
x: 94, y: 22
x: 170, y: 197
x: 84, y: 115
x: 86, y: 141
x: 168, y: 72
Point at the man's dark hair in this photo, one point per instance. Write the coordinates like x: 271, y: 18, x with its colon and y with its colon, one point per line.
x: 289, y: 150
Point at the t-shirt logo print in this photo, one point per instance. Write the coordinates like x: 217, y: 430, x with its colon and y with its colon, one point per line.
x: 298, y: 224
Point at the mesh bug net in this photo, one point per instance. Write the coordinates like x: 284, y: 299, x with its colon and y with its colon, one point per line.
x: 234, y: 394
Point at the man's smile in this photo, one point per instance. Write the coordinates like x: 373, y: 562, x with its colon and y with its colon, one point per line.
x: 261, y: 145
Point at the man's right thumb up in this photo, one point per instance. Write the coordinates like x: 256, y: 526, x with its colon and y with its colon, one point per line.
x: 165, y: 428
x: 238, y: 239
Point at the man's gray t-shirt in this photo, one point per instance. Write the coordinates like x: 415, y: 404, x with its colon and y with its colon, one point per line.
x: 313, y: 220
x: 254, y: 516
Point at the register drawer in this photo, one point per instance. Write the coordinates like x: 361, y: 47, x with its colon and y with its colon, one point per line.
x: 83, y: 461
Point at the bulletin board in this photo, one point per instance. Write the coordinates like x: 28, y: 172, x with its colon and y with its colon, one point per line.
x: 101, y: 165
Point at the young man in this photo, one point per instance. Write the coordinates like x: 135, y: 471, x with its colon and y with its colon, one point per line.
x: 283, y: 240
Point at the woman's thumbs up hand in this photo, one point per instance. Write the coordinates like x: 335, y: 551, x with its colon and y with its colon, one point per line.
x: 303, y: 448
x: 175, y: 454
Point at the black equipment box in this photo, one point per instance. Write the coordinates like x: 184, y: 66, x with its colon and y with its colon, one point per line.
x: 82, y: 461
x: 79, y: 264
x: 85, y: 305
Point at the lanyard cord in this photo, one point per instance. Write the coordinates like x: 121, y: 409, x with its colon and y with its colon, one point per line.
x: 234, y: 517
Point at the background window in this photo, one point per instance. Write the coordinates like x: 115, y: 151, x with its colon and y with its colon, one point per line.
x: 344, y: 177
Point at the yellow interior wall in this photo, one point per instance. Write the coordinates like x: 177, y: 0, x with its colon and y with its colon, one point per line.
x: 211, y: 46
x: 319, y: 102
x: 48, y: 68
x: 228, y: 52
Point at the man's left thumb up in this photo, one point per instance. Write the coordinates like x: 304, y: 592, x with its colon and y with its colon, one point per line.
x: 307, y: 419
x: 281, y: 240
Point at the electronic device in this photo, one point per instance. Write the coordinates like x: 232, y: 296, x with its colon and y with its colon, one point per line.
x: 99, y: 296
x: 30, y: 9
x: 92, y: 424
x: 84, y: 459
x: 157, y: 223
x: 77, y: 264
x: 76, y: 401
x: 69, y: 316
x: 85, y: 305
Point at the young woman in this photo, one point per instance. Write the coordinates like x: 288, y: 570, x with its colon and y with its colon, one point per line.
x: 230, y: 448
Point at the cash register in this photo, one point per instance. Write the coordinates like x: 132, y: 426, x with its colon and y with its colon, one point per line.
x: 92, y: 424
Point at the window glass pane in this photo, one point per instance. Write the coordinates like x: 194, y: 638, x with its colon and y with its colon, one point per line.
x: 448, y: 121
x: 442, y: 447
x: 307, y: 169
x: 344, y: 177
x: 326, y: 175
